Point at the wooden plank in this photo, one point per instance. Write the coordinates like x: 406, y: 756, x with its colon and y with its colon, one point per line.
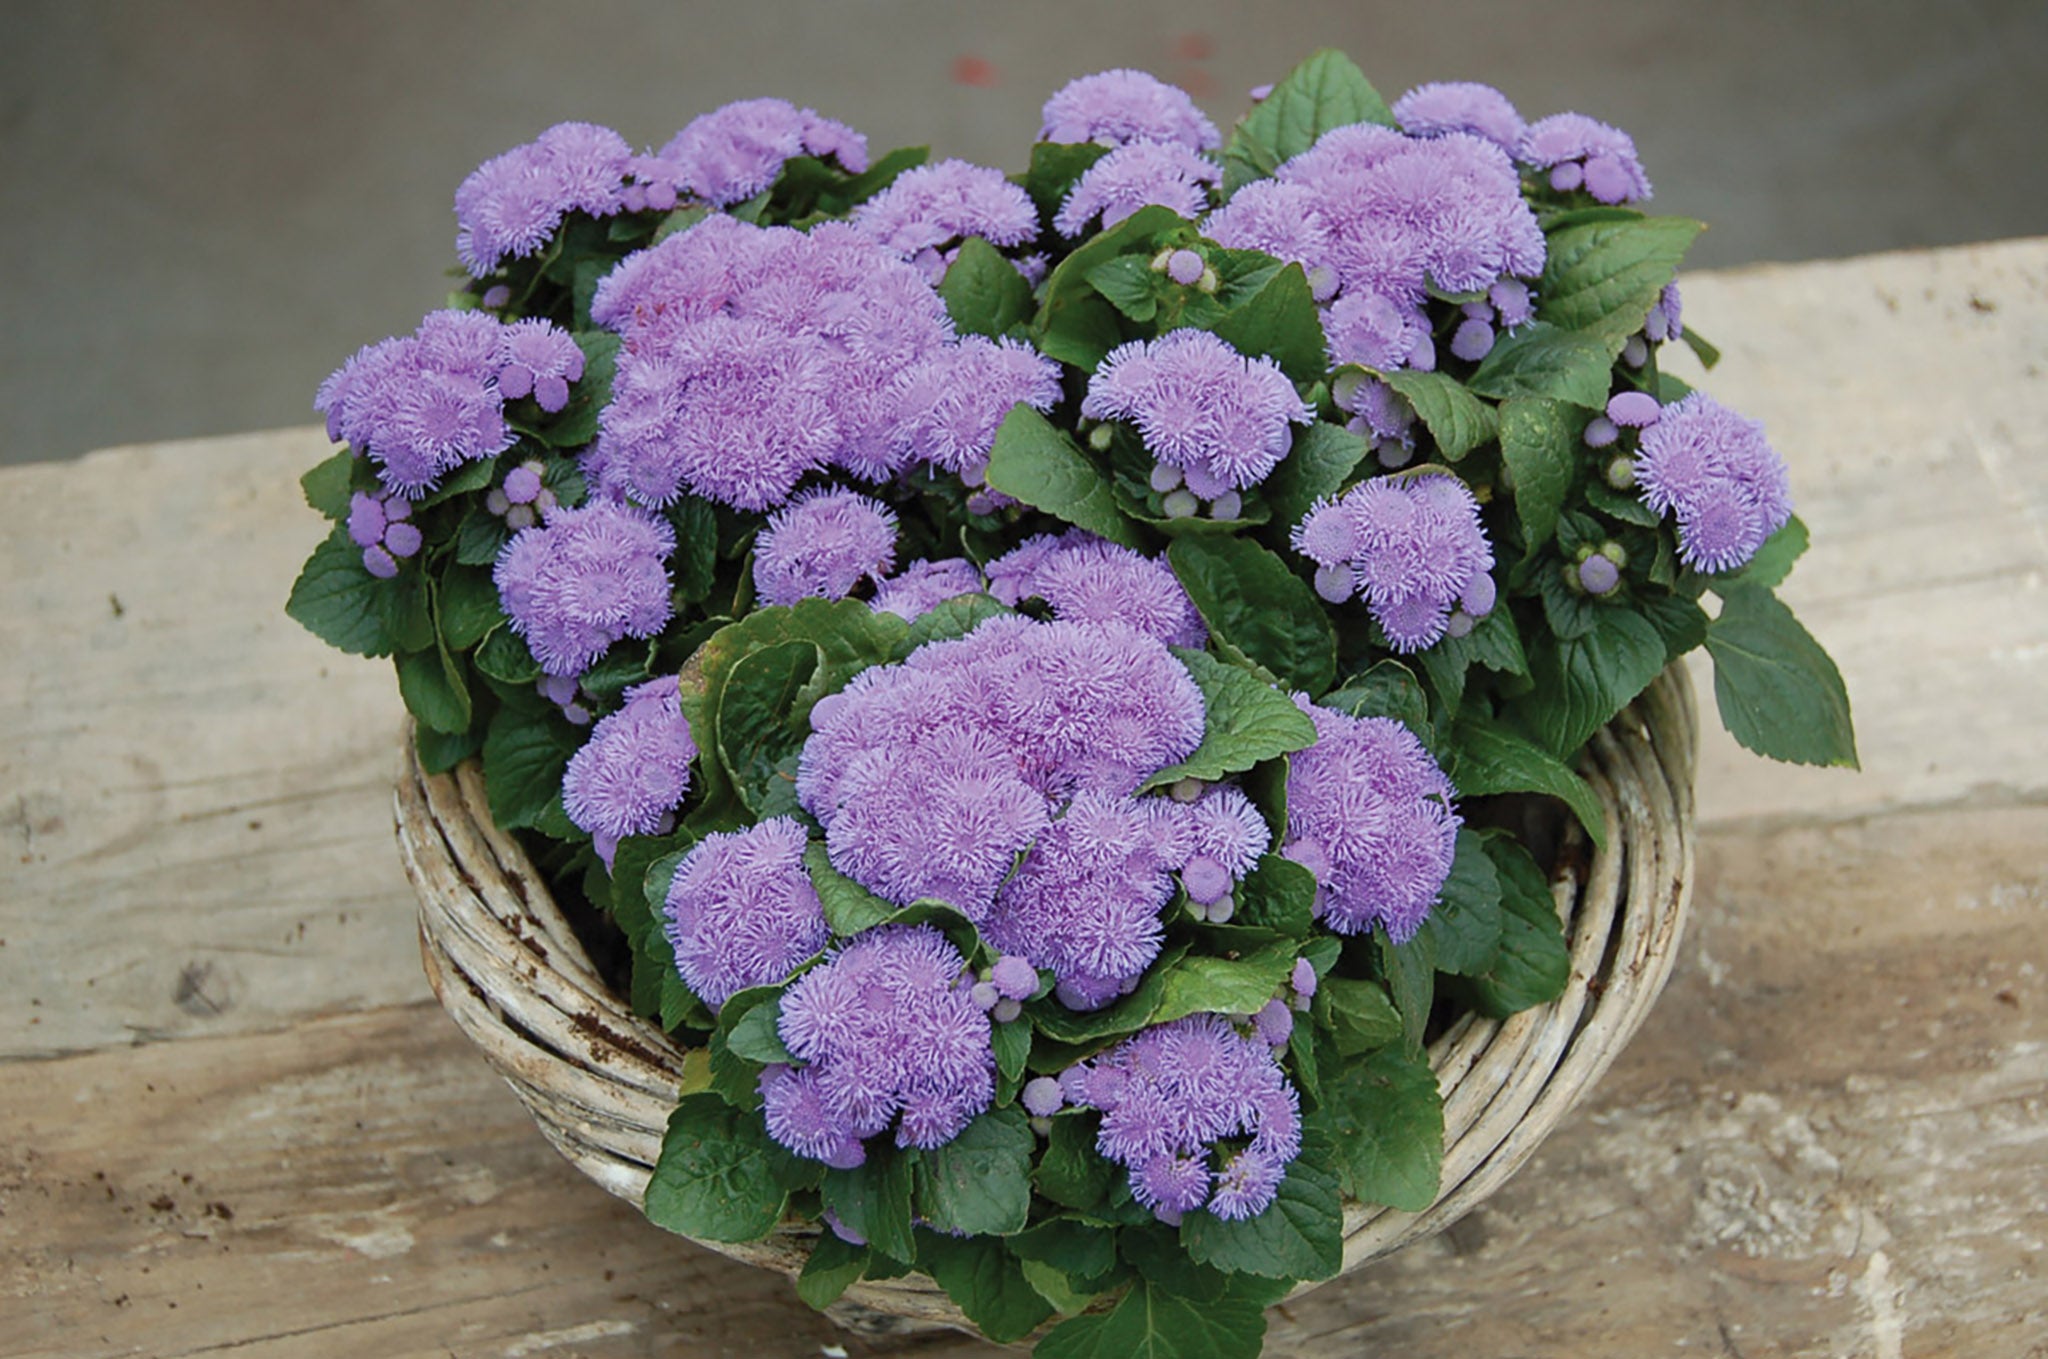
x: 1828, y: 1140
x: 1906, y: 393
x: 194, y: 792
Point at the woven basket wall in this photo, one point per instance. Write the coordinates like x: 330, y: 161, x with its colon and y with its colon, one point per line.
x: 600, y: 1081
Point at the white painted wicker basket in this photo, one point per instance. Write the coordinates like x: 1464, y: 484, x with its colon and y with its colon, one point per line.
x: 600, y: 1081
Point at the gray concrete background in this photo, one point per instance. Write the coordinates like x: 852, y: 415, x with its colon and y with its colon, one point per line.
x: 204, y: 207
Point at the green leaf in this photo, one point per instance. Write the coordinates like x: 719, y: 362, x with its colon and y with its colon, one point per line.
x: 339, y: 602
x: 873, y: 1199
x: 466, y: 607
x: 1357, y: 1013
x: 983, y: 292
x: 833, y: 1267
x: 1410, y: 969
x: 1539, y: 442
x: 1250, y: 599
x: 1247, y: 720
x: 986, y: 1282
x: 713, y: 1180
x: 1466, y: 920
x: 1300, y: 1235
x: 757, y: 1036
x: 980, y: 1182
x: 846, y: 635
x: 1702, y: 347
x: 1074, y: 324
x: 1456, y: 419
x: 1076, y: 1249
x: 1388, y: 689
x: 440, y: 752
x: 1281, y: 322
x: 1541, y: 360
x: 1603, y: 277
x: 1325, y: 91
x: 1129, y: 284
x: 1011, y: 1044
x: 1200, y: 984
x: 432, y: 687
x: 504, y: 656
x: 1583, y: 682
x: 480, y: 537
x: 1385, y: 1121
x: 849, y: 907
x: 1678, y: 620
x: 1278, y: 894
x: 761, y: 713
x: 1070, y: 1171
x: 1151, y: 1323
x: 1492, y: 759
x: 1621, y: 505
x: 1055, y: 166
x: 576, y: 423
x: 1779, y: 693
x: 1771, y: 564
x: 328, y: 484
x: 1321, y: 460
x: 1057, y: 1287
x: 950, y: 619
x: 1035, y: 462
x: 525, y: 754
x: 695, y: 561
x: 1534, y: 962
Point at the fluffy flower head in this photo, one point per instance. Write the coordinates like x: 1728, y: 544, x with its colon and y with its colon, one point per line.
x: 583, y: 579
x: 1123, y: 105
x: 1201, y: 406
x: 741, y: 910
x: 1138, y: 175
x: 732, y: 153
x: 821, y: 545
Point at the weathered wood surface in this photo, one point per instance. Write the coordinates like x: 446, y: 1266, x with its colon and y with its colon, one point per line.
x: 230, y: 1122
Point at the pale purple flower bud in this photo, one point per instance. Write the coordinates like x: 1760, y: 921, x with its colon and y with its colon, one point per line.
x: 496, y: 296
x: 366, y: 520
x: 1180, y: 504
x: 1226, y: 507
x: 1303, y: 979
x: 522, y: 484
x: 402, y: 539
x: 379, y: 563
x: 1006, y: 1010
x: 1041, y: 1097
x: 1275, y: 1022
x: 1015, y: 977
x: 1473, y: 340
x: 1601, y: 432
x: 519, y: 517
x: 1633, y: 410
x: 1479, y: 596
x: 1221, y: 910
x: 1393, y: 454
x: 1336, y: 583
x: 1635, y: 351
x: 1564, y: 178
x: 1165, y: 476
x: 496, y: 501
x: 1185, y: 267
x: 984, y: 995
x: 1598, y: 576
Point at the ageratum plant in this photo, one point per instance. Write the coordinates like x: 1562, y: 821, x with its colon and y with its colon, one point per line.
x: 1029, y: 663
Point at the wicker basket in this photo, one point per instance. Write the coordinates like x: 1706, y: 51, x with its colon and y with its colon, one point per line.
x: 601, y: 1081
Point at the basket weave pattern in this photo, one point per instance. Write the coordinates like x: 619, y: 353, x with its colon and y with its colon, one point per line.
x: 601, y: 1081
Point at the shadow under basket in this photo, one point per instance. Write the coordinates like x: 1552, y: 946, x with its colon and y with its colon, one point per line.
x: 601, y: 1081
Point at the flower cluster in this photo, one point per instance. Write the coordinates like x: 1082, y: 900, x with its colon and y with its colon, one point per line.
x: 1123, y: 106
x: 421, y: 405
x: 1137, y: 175
x: 1085, y: 579
x: 382, y: 527
x: 885, y: 1026
x: 1208, y: 413
x: 821, y: 545
x: 741, y: 910
x: 583, y: 579
x: 924, y: 585
x: 1175, y: 1100
x: 1713, y: 469
x: 733, y: 153
x: 511, y: 205
x: 933, y: 776
x: 1369, y: 813
x: 947, y: 407
x: 933, y: 207
x: 634, y: 771
x: 1413, y: 546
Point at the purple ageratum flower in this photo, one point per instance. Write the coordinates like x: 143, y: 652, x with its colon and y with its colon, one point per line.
x: 1200, y: 406
x: 1169, y: 1093
x: 1226, y: 836
x: 1714, y: 470
x: 1666, y: 319
x: 932, y: 775
x: 1283, y: 220
x: 1369, y: 813
x: 732, y: 153
x: 1580, y: 151
x: 1413, y: 546
x: 421, y: 405
x: 821, y: 545
x: 931, y: 206
x: 540, y: 359
x: 696, y: 273
x: 1086, y: 579
x: 1122, y: 106
x: 736, y: 411
x: 1138, y: 175
x: 1374, y: 331
x: 741, y: 910
x: 510, y: 205
x: 1460, y: 106
x: 924, y: 585
x: 584, y: 579
x: 634, y: 771
x: 797, y: 1115
x: 1405, y: 211
x: 951, y: 402
x: 886, y: 1026
x: 1085, y: 902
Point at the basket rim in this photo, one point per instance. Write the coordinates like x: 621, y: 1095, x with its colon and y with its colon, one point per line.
x: 600, y: 1081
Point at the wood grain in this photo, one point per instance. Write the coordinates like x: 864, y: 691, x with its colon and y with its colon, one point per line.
x: 1830, y: 1139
